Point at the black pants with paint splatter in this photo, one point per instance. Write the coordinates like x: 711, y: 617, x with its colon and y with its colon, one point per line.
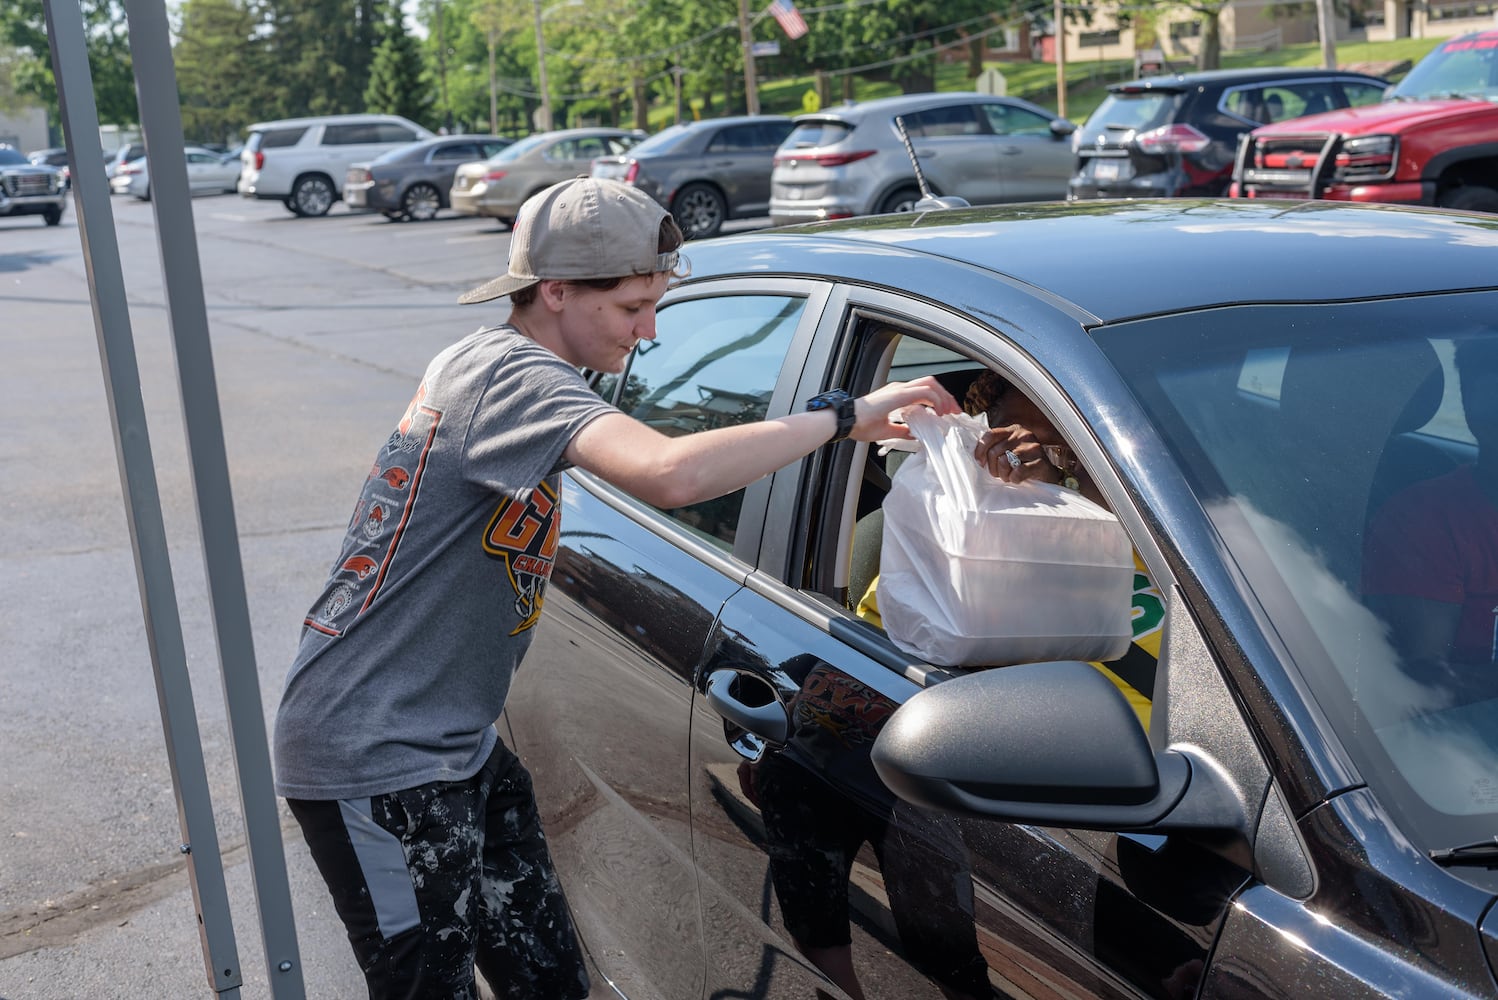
x: 436, y: 879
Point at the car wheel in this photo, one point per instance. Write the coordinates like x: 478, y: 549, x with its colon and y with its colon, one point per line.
x: 900, y: 200
x: 699, y: 210
x: 394, y: 216
x: 421, y: 203
x: 1471, y: 198
x: 146, y: 194
x: 312, y: 196
x: 52, y: 216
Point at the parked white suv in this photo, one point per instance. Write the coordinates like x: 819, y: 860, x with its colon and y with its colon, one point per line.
x: 302, y: 161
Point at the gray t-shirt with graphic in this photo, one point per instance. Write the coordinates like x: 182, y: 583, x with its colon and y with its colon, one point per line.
x: 406, y: 656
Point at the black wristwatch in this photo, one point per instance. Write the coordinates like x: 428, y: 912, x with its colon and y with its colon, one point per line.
x: 840, y: 403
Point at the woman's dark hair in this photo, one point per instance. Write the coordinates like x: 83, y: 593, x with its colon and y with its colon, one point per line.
x: 670, y: 239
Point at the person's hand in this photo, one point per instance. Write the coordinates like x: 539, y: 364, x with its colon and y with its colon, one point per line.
x: 875, y: 412
x: 1014, y: 455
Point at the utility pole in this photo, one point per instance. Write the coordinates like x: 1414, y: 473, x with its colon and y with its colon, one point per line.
x: 490, y: 37
x: 1326, y: 25
x: 751, y: 84
x: 1060, y: 29
x: 541, y: 67
x: 447, y: 109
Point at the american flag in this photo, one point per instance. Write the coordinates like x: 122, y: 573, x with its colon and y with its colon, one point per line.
x: 789, y: 18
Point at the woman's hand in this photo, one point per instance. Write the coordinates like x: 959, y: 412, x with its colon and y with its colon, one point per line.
x: 1014, y: 455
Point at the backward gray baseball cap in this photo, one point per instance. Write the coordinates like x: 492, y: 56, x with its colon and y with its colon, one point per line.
x: 581, y: 229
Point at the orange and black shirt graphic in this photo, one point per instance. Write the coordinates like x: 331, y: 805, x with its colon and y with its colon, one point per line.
x: 379, y: 522
x: 523, y: 534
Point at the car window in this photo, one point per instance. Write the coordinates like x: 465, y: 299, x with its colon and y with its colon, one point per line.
x: 392, y: 132
x: 487, y: 149
x: 1124, y: 111
x: 275, y: 138
x: 577, y: 148
x: 1359, y: 95
x: 714, y: 363
x: 457, y: 151
x: 959, y: 119
x: 619, y: 143
x: 772, y: 134
x: 808, y: 135
x: 1005, y: 119
x: 201, y: 158
x: 348, y: 135
x: 1365, y: 574
x: 735, y: 137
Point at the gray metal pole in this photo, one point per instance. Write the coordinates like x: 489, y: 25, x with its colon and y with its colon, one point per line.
x: 101, y: 252
x: 171, y: 201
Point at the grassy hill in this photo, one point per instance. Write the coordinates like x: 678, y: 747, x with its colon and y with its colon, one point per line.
x: 1086, y: 80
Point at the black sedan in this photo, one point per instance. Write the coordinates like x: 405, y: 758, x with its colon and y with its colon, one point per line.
x: 1285, y: 788
x: 706, y: 172
x: 411, y: 183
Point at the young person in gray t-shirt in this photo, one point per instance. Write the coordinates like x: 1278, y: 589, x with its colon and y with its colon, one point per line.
x: 421, y: 821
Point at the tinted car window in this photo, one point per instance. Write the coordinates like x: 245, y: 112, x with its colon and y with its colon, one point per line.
x: 736, y: 137
x: 1360, y: 95
x: 958, y: 120
x: 391, y: 132
x: 664, y: 141
x: 348, y: 135
x: 458, y: 151
x: 519, y: 149
x: 275, y: 138
x: 810, y: 134
x: 713, y: 363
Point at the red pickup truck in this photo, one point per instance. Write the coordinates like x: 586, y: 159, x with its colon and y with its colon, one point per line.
x: 1432, y: 141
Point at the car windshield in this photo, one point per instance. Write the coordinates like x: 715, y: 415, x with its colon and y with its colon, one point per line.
x: 9, y: 157
x: 810, y: 134
x: 1462, y: 67
x: 516, y: 150
x: 664, y: 141
x: 1347, y: 456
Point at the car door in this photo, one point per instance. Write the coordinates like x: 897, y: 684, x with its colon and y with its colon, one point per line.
x: 1034, y: 163
x: 599, y: 712
x: 812, y: 873
x: 201, y: 172
x: 739, y: 158
x: 958, y: 152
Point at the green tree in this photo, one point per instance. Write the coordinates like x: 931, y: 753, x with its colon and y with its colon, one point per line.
x: 219, y: 69
x: 23, y: 27
x: 321, y: 52
x: 397, y: 77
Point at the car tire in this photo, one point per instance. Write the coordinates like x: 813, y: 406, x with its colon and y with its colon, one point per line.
x: 1470, y: 198
x: 699, y: 210
x: 146, y: 194
x: 900, y: 200
x: 421, y: 203
x: 52, y: 216
x: 312, y: 196
x: 394, y: 216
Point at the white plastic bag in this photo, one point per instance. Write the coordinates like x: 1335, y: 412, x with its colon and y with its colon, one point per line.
x: 975, y: 571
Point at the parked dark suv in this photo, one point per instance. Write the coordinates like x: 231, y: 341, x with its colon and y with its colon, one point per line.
x: 1177, y: 135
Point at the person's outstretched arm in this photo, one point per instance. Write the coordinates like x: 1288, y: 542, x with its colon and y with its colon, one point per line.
x: 677, y: 471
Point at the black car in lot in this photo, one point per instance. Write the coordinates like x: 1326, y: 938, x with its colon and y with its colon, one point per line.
x: 412, y: 182
x: 705, y: 172
x: 735, y: 769
x: 1173, y: 136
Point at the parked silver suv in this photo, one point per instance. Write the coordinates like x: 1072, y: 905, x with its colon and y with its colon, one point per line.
x: 846, y: 161
x: 302, y: 161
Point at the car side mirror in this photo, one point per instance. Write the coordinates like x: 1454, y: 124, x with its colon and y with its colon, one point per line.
x: 1061, y: 128
x: 1055, y: 744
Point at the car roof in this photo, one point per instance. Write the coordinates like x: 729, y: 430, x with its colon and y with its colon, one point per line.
x: 903, y: 102
x: 1124, y: 259
x: 326, y: 120
x: 1230, y: 77
x: 731, y: 120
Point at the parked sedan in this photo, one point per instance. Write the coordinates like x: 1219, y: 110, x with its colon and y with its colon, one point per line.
x: 496, y: 187
x: 737, y: 771
x: 207, y: 173
x: 413, y: 182
x: 847, y: 161
x: 706, y: 172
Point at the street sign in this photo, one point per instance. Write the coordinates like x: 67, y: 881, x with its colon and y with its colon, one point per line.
x: 766, y: 49
x: 991, y: 81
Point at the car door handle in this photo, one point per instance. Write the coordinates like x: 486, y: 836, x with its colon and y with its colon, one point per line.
x: 1010, y: 150
x: 925, y: 154
x: 750, y: 703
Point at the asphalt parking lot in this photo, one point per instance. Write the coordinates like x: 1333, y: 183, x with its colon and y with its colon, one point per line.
x: 321, y: 329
